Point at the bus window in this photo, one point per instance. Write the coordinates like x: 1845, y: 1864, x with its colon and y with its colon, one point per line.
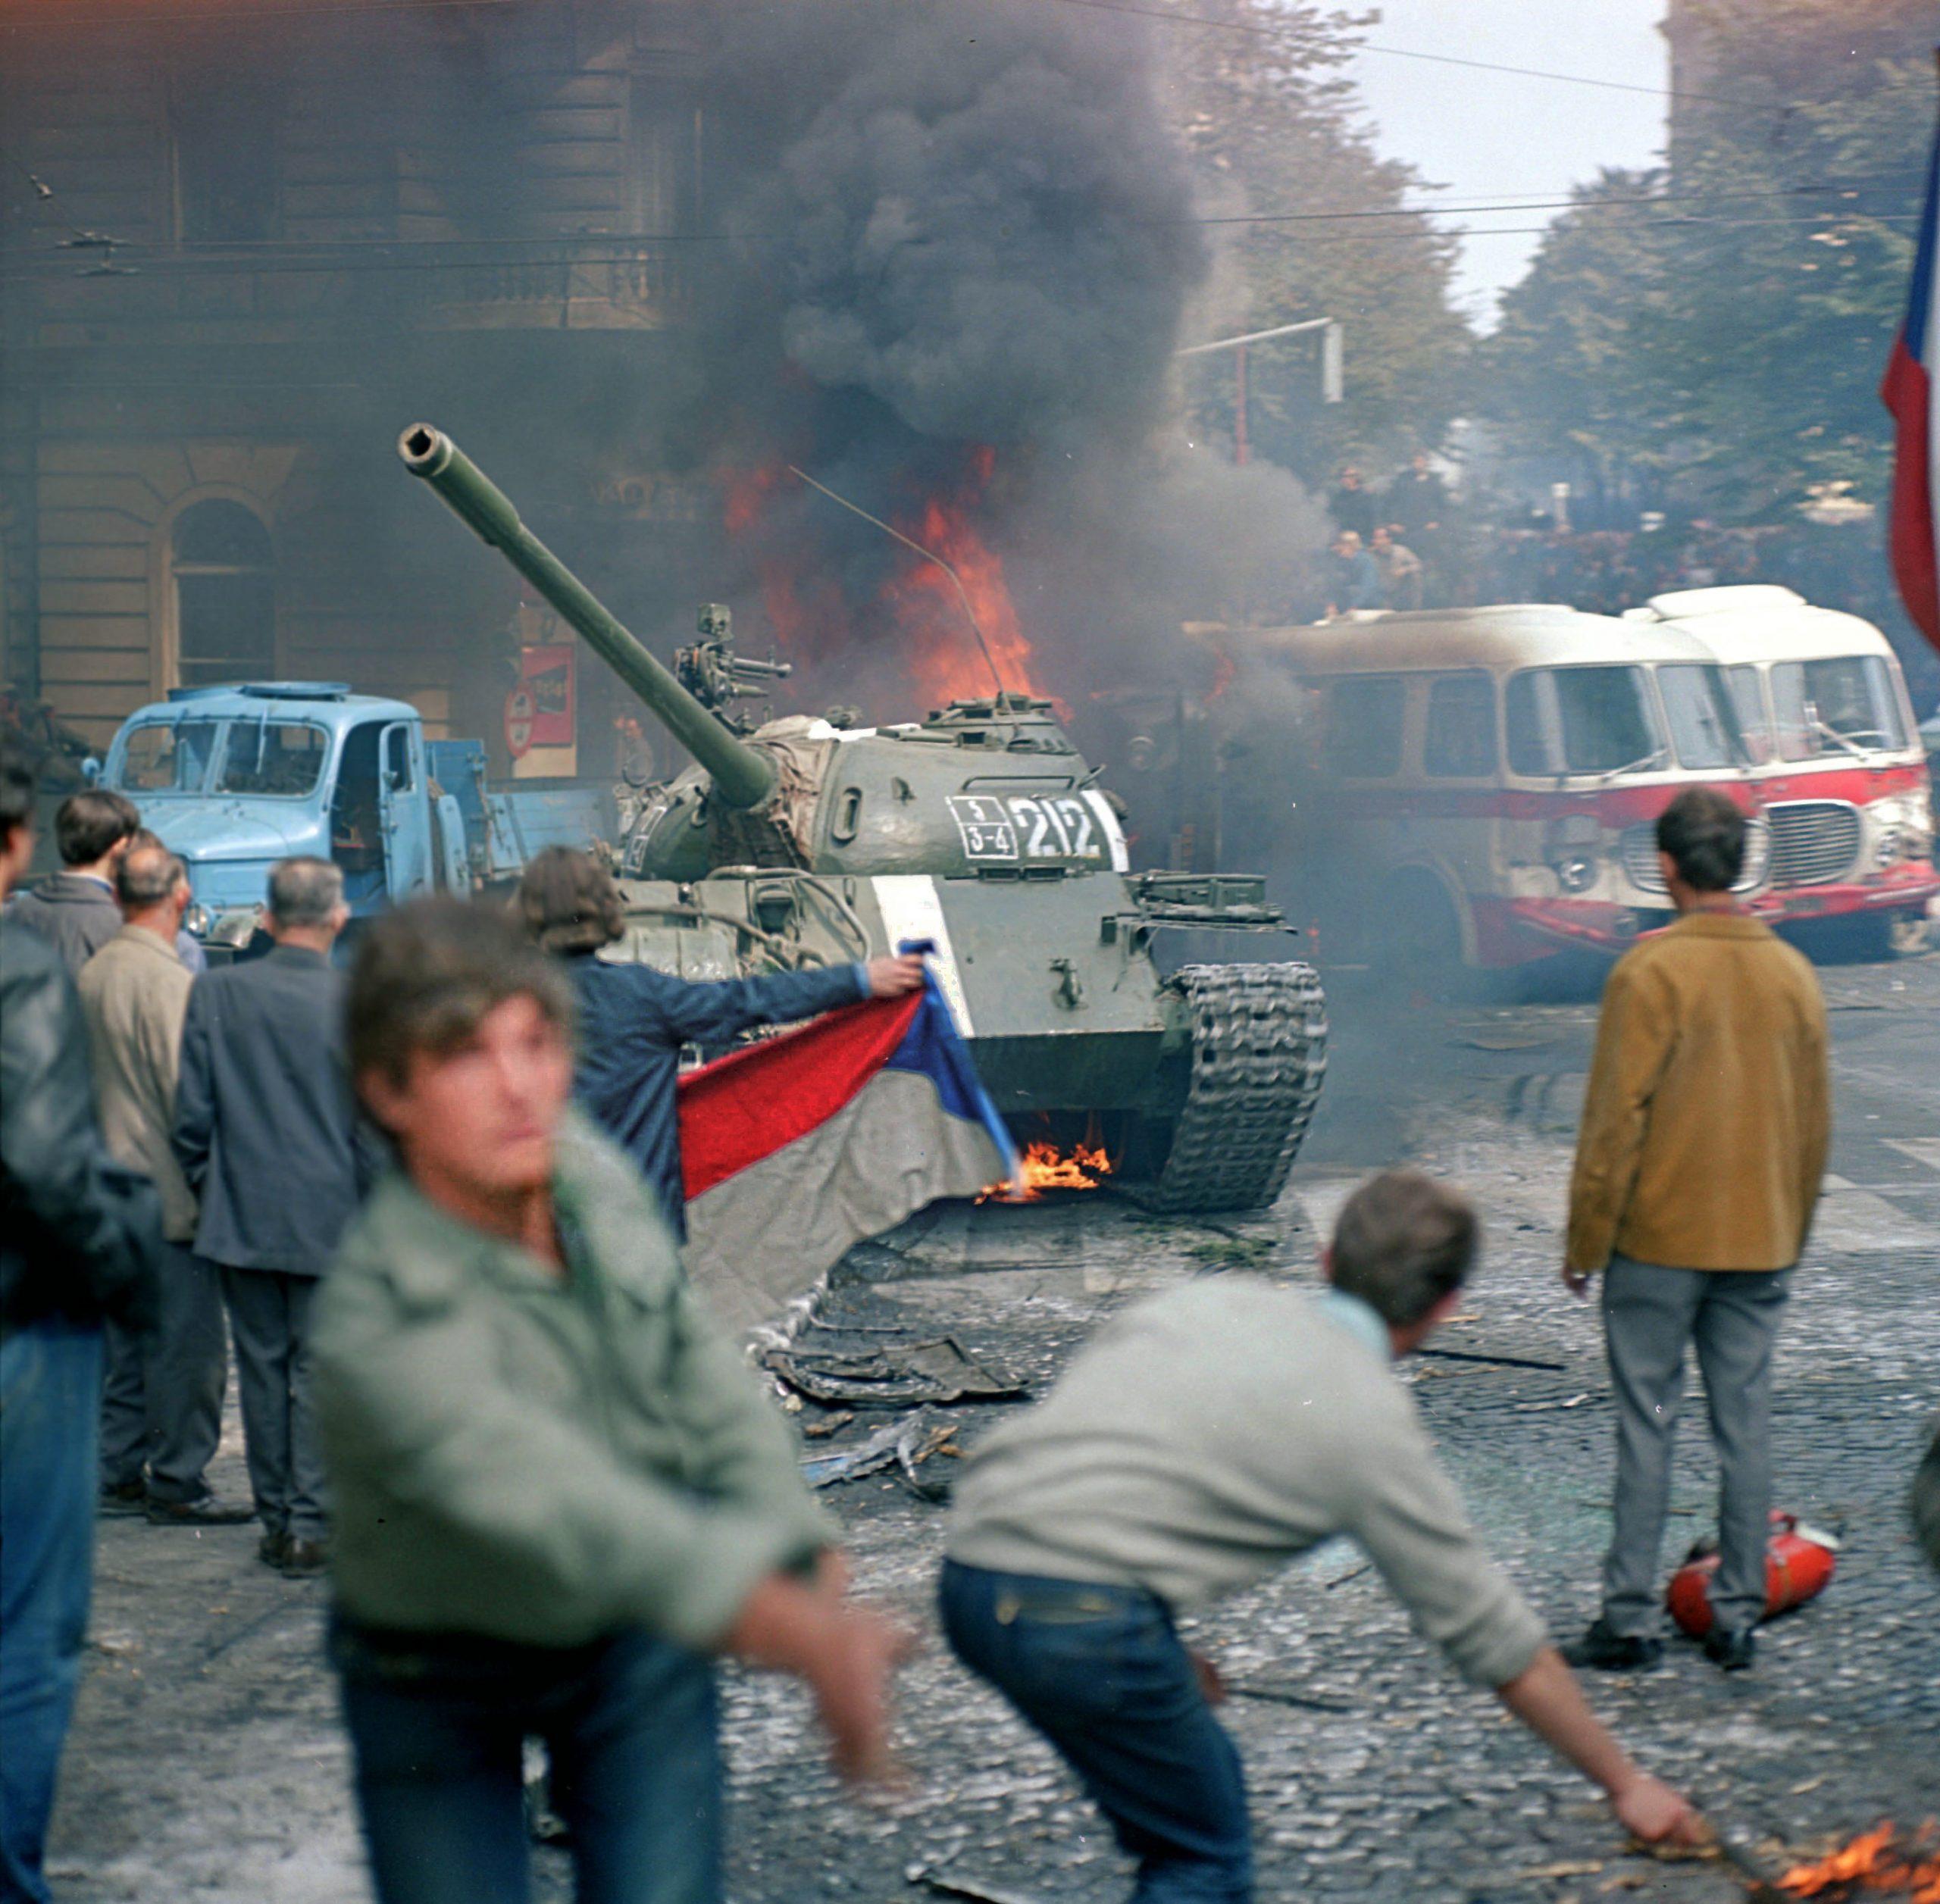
x: 1582, y: 721
x: 1461, y: 727
x: 1364, y: 726
x: 1747, y: 700
x: 1703, y: 725
x: 1835, y: 706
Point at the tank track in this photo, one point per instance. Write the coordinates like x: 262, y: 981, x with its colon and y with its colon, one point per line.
x: 1259, y: 1055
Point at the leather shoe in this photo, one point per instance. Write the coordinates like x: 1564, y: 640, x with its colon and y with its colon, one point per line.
x: 303, y: 1559
x: 1731, y: 1650
x: 271, y: 1548
x: 1605, y: 1651
x: 204, y: 1510
x: 123, y: 1497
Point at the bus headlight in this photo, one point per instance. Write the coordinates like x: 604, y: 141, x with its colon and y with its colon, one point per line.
x: 1576, y: 875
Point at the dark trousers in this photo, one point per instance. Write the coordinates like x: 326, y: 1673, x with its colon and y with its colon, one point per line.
x: 269, y: 1315
x: 1650, y: 1316
x: 161, y: 1400
x: 50, y: 1413
x: 1099, y: 1671
x: 438, y: 1724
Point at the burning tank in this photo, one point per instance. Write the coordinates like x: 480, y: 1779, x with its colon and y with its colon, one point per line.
x: 980, y: 830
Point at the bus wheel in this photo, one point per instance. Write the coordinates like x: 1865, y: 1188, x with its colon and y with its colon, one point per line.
x: 1417, y: 941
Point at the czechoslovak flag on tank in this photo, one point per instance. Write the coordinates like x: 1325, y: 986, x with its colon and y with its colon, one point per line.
x: 1908, y: 392
x: 794, y: 1147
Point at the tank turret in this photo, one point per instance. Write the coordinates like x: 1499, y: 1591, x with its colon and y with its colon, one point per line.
x: 741, y: 777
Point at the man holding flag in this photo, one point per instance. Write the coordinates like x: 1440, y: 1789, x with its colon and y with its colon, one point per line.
x: 634, y: 1021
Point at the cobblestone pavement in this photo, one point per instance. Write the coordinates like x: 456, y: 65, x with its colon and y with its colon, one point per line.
x: 206, y: 1763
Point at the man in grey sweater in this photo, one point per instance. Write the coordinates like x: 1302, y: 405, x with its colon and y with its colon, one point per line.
x: 1201, y: 1441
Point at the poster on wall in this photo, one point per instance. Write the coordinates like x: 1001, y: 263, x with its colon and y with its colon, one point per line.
x: 548, y: 697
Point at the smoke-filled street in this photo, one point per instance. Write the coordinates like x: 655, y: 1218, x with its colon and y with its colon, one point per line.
x: 208, y: 1761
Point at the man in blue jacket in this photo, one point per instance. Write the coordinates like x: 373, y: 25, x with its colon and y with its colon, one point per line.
x: 634, y: 1021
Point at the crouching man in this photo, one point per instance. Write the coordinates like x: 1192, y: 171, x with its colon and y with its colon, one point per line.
x: 1201, y: 1440
x: 559, y: 1494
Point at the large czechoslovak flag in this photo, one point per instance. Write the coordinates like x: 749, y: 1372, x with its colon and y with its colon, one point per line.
x: 1908, y: 392
x: 795, y: 1148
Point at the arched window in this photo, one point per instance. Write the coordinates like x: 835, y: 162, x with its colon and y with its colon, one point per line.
x: 225, y: 595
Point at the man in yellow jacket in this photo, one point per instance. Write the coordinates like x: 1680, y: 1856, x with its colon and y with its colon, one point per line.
x: 1704, y: 1140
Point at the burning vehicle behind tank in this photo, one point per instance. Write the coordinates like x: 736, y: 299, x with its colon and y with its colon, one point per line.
x: 981, y: 830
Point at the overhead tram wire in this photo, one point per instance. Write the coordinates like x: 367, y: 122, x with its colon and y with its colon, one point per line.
x: 1261, y: 31
x: 53, y: 264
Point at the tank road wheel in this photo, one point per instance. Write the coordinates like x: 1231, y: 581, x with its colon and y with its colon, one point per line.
x: 1258, y: 1053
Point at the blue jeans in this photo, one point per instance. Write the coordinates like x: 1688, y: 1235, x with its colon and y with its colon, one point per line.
x: 50, y: 1416
x: 1099, y: 1671
x: 438, y: 1723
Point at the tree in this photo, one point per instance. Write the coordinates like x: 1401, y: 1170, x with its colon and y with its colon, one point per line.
x: 1274, y: 129
x: 1725, y: 338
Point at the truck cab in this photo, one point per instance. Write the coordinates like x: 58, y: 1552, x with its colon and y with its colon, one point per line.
x: 234, y: 779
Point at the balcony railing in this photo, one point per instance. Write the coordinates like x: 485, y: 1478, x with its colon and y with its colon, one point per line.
x: 191, y: 294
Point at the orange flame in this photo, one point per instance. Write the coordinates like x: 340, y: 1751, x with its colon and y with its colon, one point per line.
x: 934, y: 646
x: 1047, y: 1167
x: 1874, y: 1862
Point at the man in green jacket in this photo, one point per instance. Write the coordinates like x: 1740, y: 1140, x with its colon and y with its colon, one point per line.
x: 558, y: 1493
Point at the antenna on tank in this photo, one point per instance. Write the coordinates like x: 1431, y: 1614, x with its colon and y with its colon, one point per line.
x: 928, y: 555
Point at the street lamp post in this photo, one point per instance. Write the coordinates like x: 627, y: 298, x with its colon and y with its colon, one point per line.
x: 1330, y: 367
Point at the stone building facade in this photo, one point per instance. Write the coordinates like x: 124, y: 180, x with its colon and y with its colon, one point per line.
x: 243, y: 245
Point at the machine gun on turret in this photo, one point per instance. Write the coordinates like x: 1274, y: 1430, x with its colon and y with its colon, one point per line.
x: 717, y: 677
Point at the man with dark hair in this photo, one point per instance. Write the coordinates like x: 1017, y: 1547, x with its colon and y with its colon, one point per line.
x: 634, y: 1021
x: 1199, y: 1441
x: 78, y: 1238
x: 161, y: 1404
x: 558, y: 1492
x: 75, y: 908
x: 265, y: 1132
x: 1705, y: 1128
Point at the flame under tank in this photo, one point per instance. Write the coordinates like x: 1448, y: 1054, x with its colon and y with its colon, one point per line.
x: 981, y: 829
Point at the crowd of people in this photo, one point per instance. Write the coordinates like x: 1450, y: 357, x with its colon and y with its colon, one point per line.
x: 438, y: 1201
x: 1419, y: 543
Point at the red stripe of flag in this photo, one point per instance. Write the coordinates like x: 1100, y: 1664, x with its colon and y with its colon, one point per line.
x: 753, y: 1102
x: 1907, y: 391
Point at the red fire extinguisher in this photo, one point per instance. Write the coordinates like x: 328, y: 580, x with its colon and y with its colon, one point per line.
x: 1799, y: 1561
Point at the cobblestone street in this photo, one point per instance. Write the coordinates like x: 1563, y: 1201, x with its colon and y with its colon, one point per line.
x: 207, y: 1763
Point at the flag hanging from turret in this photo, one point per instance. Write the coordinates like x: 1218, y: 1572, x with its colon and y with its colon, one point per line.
x: 1908, y: 392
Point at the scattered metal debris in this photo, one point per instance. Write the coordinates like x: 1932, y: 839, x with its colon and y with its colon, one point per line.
x: 1286, y: 1695
x: 828, y: 1424
x: 938, y: 1369
x: 903, y: 1444
x: 1503, y: 1361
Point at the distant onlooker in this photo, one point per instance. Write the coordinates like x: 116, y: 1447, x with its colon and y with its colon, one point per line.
x: 1352, y: 505
x: 1417, y: 500
x: 161, y: 1404
x: 75, y: 908
x: 266, y: 1135
x: 1400, y: 569
x: 1352, y: 581
x: 78, y: 1244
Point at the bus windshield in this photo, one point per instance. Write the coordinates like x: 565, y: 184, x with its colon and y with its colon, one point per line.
x: 1845, y: 705
x: 1703, y: 721
x: 1582, y: 721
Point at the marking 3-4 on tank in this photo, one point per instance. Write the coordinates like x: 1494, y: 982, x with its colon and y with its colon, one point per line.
x: 980, y: 829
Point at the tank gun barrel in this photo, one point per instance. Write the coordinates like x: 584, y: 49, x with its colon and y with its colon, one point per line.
x: 742, y: 777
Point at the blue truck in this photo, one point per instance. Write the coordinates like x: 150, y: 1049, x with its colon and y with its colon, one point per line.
x: 235, y: 778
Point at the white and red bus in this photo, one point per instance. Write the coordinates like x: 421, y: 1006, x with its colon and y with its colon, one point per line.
x: 1839, y: 766
x: 1484, y: 783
